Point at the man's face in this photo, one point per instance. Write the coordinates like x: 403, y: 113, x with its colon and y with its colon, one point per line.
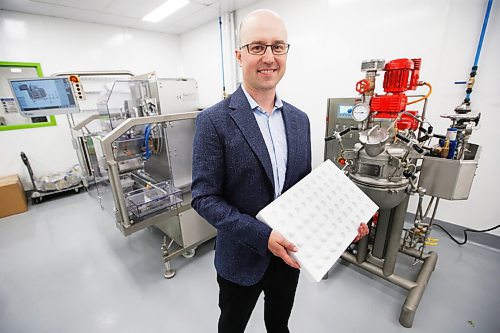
x: 262, y: 72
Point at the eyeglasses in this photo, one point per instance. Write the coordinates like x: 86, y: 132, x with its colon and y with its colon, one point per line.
x: 260, y: 49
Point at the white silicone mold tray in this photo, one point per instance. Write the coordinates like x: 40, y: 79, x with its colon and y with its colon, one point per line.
x: 320, y: 215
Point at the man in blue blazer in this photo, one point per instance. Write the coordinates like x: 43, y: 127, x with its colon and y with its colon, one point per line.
x: 247, y: 150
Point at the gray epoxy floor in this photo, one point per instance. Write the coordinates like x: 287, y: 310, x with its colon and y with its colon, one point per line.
x: 65, y: 267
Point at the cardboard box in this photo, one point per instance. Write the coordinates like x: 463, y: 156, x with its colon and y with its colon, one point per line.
x: 12, y: 197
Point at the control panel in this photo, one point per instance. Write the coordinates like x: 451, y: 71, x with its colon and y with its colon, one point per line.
x: 340, y: 117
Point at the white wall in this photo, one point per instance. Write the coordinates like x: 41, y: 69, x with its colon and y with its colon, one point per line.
x: 329, y: 39
x: 201, y: 58
x: 61, y: 45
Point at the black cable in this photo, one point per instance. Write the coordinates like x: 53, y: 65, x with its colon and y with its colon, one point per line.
x: 465, y: 232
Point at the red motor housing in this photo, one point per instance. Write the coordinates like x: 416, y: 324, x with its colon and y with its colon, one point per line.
x: 388, y: 103
x: 398, y: 72
x: 400, y: 75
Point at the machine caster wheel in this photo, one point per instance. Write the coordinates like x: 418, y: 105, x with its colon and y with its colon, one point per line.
x: 189, y: 254
x: 169, y: 273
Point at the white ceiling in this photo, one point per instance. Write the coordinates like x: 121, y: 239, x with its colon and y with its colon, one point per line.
x: 128, y: 13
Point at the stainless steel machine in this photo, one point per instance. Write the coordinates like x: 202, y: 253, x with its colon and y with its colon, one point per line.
x: 390, y: 151
x: 138, y: 161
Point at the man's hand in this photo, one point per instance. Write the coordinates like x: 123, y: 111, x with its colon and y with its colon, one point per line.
x: 279, y: 246
x: 362, y: 232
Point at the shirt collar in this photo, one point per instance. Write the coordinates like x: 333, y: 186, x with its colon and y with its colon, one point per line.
x: 278, y: 103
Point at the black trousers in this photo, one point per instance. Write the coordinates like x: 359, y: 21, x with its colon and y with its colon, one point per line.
x: 237, y: 302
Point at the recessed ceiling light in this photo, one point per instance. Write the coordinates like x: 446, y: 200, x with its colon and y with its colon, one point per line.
x: 167, y: 8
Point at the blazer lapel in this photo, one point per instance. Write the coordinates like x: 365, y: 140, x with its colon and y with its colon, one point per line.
x: 245, y: 120
x: 292, y: 141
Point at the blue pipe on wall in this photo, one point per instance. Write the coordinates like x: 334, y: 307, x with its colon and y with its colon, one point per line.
x: 478, y: 52
x: 483, y: 30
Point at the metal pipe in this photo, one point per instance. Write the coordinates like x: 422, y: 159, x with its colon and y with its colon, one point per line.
x: 429, y: 228
x: 413, y: 253
x: 394, y: 278
x: 398, y: 219
x: 416, y: 288
x: 234, y: 44
x: 418, y: 217
x: 434, y: 212
x: 418, y: 213
x: 375, y: 261
x: 370, y: 132
x: 424, y: 111
x: 415, y: 295
x: 427, y: 209
x: 222, y: 59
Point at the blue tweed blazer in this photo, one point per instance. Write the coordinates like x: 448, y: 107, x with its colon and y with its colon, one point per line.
x: 233, y: 181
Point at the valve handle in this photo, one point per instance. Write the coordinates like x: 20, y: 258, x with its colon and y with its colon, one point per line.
x: 418, y: 148
x: 329, y: 138
x: 363, y: 86
x: 344, y: 132
x: 402, y: 138
x: 424, y: 138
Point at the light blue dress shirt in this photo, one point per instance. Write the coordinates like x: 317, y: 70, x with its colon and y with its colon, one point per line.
x: 272, y: 128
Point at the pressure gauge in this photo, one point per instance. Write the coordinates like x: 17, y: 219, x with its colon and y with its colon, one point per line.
x: 360, y: 112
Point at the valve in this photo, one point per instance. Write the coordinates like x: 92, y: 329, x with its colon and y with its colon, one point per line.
x: 410, y: 175
x: 363, y: 86
x: 417, y: 148
x: 431, y: 241
x: 338, y: 135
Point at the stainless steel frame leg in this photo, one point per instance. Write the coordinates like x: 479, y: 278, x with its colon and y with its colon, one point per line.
x: 169, y: 272
x: 415, y: 295
x: 396, y: 228
x: 416, y: 288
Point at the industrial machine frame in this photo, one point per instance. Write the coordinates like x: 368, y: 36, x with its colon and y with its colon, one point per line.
x: 145, y: 133
x: 386, y: 151
x: 180, y: 222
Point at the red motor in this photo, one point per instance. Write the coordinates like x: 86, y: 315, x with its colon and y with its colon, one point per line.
x: 397, y: 73
x: 400, y: 75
